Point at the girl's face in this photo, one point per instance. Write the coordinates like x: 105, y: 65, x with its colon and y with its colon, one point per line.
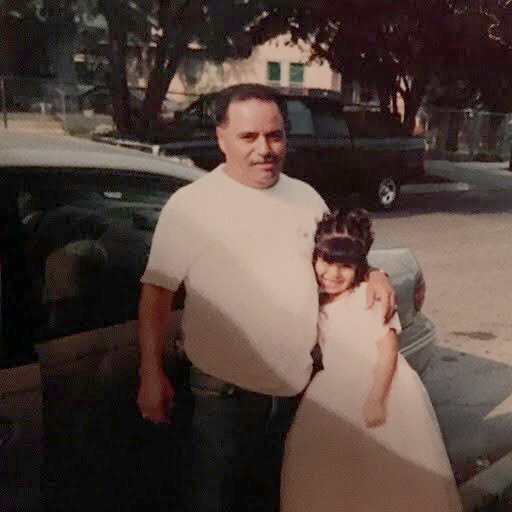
x: 334, y: 278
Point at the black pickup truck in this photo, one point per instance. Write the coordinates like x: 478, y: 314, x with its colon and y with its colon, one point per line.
x: 337, y: 151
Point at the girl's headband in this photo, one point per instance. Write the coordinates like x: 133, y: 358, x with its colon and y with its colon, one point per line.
x: 341, y: 249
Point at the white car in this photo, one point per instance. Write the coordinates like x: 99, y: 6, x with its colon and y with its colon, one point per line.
x: 77, y: 220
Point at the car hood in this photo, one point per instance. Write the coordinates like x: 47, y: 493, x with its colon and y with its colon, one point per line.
x: 403, y: 269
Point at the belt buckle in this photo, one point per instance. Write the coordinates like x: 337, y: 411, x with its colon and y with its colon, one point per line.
x: 208, y: 385
x: 228, y: 391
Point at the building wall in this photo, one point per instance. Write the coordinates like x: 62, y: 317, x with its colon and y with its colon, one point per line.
x: 196, y: 76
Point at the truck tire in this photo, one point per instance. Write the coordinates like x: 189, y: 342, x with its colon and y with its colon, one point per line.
x: 384, y: 193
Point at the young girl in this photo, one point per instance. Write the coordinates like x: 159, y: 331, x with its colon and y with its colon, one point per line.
x: 365, y: 437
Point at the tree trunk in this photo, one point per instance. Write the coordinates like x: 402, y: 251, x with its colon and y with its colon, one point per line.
x: 384, y: 98
x: 386, y: 90
x: 452, y: 137
x: 492, y: 137
x: 62, y: 38
x: 174, y: 18
x: 412, y: 102
x: 118, y: 85
x: 166, y: 63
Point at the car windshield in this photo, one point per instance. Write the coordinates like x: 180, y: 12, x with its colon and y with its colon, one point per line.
x: 365, y: 123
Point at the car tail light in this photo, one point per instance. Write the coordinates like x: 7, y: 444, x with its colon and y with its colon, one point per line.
x: 419, y: 292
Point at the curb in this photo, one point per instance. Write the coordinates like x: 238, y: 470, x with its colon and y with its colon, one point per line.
x: 435, y: 187
x: 485, y: 487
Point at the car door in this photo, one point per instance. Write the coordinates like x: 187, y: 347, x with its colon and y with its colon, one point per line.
x: 377, y: 145
x: 21, y: 448
x: 319, y: 145
x: 336, y: 148
x: 86, y: 236
x: 20, y: 437
x: 303, y: 152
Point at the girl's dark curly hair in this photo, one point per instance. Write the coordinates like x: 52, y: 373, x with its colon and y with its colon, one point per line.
x: 345, y: 236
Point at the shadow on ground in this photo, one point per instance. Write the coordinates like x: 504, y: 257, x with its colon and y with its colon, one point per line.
x: 468, y: 202
x: 466, y: 391
x: 463, y: 203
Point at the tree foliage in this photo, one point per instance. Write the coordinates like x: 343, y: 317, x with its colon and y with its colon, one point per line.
x: 402, y: 46
x: 458, y: 52
x: 224, y: 28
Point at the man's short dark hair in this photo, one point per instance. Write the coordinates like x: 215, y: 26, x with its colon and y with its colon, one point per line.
x: 244, y: 92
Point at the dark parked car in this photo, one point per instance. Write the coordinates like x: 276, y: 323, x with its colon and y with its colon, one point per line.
x: 337, y: 151
x: 77, y: 219
x: 99, y: 98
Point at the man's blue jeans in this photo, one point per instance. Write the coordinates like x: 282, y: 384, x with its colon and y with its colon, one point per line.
x: 232, y: 460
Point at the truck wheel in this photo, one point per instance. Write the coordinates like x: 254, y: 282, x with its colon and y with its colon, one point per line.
x: 385, y: 193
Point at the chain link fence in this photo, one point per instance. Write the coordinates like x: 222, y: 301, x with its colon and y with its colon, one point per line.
x: 465, y: 134
x: 31, y: 103
x: 79, y: 109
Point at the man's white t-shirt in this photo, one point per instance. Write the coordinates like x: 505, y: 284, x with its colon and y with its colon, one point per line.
x: 245, y: 256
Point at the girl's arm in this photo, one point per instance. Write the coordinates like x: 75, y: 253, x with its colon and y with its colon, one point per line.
x: 374, y: 410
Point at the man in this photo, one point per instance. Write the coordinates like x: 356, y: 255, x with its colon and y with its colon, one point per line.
x: 241, y: 240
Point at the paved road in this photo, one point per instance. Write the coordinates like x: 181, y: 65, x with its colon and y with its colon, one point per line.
x: 463, y: 241
x: 494, y: 176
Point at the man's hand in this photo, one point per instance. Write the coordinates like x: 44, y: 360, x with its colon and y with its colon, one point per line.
x: 155, y: 391
x: 380, y: 288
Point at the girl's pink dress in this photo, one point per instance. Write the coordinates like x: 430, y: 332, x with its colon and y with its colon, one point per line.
x: 333, y: 462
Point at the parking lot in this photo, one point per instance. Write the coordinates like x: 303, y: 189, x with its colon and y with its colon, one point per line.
x: 462, y: 239
x: 458, y: 226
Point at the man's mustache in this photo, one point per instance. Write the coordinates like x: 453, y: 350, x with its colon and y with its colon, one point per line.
x: 268, y: 160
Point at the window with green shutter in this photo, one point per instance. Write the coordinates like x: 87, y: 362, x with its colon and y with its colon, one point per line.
x: 274, y: 71
x: 296, y: 73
